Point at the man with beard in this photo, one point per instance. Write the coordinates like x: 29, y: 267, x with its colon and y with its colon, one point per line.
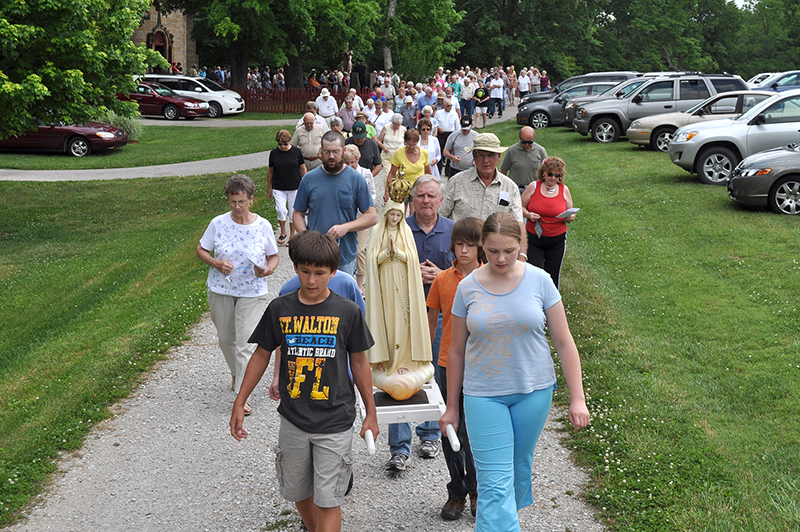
x: 332, y: 196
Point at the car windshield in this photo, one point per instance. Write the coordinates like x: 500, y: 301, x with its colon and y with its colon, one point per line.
x: 212, y: 85
x: 626, y: 89
x: 701, y: 104
x: 162, y: 90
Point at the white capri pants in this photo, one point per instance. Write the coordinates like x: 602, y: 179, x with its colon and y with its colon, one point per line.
x: 281, y: 199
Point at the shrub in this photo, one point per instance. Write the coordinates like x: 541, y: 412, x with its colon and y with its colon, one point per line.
x: 132, y: 125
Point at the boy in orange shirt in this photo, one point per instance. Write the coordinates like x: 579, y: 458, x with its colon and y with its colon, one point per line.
x: 465, y: 244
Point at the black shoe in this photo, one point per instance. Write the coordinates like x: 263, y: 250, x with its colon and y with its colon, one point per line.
x: 453, y: 508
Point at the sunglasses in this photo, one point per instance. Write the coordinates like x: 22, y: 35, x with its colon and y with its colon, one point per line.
x: 551, y: 174
x: 526, y: 142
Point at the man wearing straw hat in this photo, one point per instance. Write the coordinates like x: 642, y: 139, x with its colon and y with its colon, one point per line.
x: 483, y: 190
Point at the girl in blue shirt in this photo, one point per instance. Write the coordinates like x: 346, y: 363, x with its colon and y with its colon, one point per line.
x: 500, y: 355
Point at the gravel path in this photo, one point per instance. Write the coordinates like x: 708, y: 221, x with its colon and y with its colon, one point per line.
x: 166, y: 461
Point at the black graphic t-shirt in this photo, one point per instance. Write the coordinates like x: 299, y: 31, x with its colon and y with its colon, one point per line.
x: 480, y: 93
x: 315, y: 388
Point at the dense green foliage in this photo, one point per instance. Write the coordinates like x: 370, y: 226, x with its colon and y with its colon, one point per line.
x: 566, y: 37
x: 59, y: 59
x: 569, y: 37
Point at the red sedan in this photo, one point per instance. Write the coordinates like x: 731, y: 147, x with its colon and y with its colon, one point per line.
x: 156, y: 99
x: 77, y: 140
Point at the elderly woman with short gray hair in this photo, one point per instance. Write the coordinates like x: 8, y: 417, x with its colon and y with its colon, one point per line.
x: 244, y: 255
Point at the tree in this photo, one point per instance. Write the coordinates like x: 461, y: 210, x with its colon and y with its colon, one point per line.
x: 283, y: 32
x: 66, y: 60
x: 418, y: 36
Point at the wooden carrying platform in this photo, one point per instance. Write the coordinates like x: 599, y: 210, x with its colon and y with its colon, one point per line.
x: 426, y: 405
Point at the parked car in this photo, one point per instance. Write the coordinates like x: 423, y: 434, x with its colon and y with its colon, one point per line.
x: 78, y: 140
x: 785, y: 81
x: 156, y: 99
x: 545, y: 113
x: 713, y: 149
x: 656, y: 131
x: 607, y: 120
x: 756, y: 81
x: 579, y: 80
x: 770, y: 178
x: 221, y: 101
x: 617, y: 91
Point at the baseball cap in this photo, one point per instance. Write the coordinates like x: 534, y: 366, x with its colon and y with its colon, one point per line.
x: 466, y: 122
x: 359, y: 130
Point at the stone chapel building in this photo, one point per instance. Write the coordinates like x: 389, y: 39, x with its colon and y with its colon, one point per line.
x: 169, y: 34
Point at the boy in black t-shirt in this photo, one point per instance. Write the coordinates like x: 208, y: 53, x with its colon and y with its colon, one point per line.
x: 314, y: 329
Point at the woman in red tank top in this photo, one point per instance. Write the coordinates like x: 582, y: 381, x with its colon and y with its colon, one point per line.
x: 542, y: 202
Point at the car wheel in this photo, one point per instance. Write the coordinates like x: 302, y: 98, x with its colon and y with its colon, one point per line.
x: 661, y: 137
x: 171, y: 112
x: 79, y: 147
x: 605, y: 130
x: 539, y: 120
x: 214, y: 110
x: 784, y: 196
x: 715, y: 165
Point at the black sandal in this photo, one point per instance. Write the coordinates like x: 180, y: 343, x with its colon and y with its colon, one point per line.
x: 281, y: 239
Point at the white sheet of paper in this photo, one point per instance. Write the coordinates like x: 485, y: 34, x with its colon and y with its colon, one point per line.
x: 568, y: 212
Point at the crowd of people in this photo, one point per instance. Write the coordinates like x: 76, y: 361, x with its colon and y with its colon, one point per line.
x: 481, y: 242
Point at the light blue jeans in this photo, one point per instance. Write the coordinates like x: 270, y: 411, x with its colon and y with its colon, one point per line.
x: 400, y: 433
x: 349, y: 268
x: 503, y: 431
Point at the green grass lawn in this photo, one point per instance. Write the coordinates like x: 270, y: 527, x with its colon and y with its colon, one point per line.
x: 157, y: 145
x: 683, y: 305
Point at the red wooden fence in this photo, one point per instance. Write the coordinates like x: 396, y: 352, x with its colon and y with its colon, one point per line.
x: 291, y: 100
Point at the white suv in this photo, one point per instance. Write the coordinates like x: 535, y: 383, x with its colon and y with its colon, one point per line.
x: 221, y: 101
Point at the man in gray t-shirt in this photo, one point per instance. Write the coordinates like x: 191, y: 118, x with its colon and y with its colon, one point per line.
x: 455, y: 148
x: 523, y: 159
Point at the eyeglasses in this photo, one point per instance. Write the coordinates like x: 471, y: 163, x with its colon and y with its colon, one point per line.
x: 283, y: 144
x: 526, y: 142
x: 424, y: 129
x: 551, y: 174
x: 328, y: 153
x: 240, y: 203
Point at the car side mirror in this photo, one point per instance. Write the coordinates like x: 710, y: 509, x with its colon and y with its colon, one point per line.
x: 758, y: 120
x: 619, y: 93
x: 637, y: 99
x: 774, y: 86
x: 701, y: 111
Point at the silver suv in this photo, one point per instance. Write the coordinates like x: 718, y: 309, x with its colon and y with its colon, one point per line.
x: 713, y: 149
x: 607, y: 120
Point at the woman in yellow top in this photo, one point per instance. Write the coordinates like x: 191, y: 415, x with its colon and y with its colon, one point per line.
x: 414, y: 161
